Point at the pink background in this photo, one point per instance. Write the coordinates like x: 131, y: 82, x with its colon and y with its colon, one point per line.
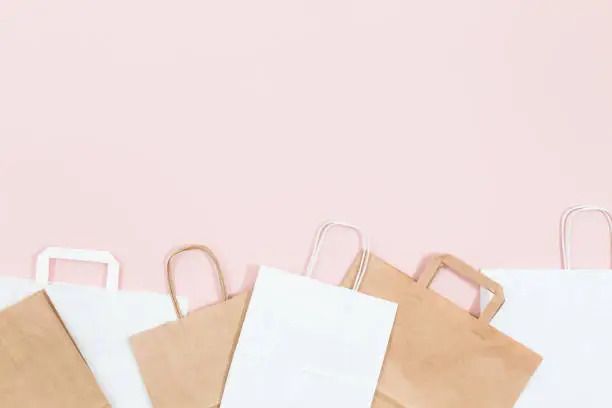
x: 136, y: 126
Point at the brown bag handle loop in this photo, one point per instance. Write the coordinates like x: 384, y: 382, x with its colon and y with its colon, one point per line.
x: 170, y: 274
x: 456, y: 265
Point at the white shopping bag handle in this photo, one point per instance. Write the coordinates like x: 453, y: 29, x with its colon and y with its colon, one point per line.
x: 566, y: 227
x: 365, y: 246
x: 461, y: 268
x: 170, y: 274
x: 84, y: 255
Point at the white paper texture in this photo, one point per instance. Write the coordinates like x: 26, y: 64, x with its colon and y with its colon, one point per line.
x: 566, y: 316
x: 307, y: 344
x: 101, y: 323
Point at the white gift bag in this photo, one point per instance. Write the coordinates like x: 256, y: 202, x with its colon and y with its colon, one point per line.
x: 100, y: 321
x: 307, y: 344
x: 565, y: 316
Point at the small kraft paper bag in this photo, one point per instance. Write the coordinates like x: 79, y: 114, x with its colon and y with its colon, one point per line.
x: 565, y: 315
x: 307, y: 344
x: 40, y: 366
x: 184, y: 364
x: 439, y: 355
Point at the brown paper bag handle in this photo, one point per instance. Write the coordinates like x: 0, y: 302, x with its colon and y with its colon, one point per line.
x: 170, y: 274
x: 456, y: 265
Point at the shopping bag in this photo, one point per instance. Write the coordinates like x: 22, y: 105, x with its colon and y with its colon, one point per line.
x: 308, y: 344
x: 184, y: 363
x: 99, y: 320
x: 40, y: 367
x: 563, y: 314
x: 439, y: 355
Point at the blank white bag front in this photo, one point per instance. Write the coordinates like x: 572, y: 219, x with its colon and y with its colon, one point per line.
x: 306, y: 344
x: 566, y: 316
x: 101, y: 322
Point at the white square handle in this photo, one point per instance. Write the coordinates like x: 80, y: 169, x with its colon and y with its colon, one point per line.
x: 83, y: 255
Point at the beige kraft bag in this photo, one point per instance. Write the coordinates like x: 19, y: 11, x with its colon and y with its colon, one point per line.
x: 440, y: 356
x: 185, y: 363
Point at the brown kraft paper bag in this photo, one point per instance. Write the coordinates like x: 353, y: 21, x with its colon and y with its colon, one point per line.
x: 440, y: 356
x: 40, y: 366
x: 185, y: 363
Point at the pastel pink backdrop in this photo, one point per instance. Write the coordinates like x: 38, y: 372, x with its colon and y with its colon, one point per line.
x: 437, y: 126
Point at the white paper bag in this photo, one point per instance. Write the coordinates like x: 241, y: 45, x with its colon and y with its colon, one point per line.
x: 565, y: 316
x: 307, y: 344
x: 100, y: 321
